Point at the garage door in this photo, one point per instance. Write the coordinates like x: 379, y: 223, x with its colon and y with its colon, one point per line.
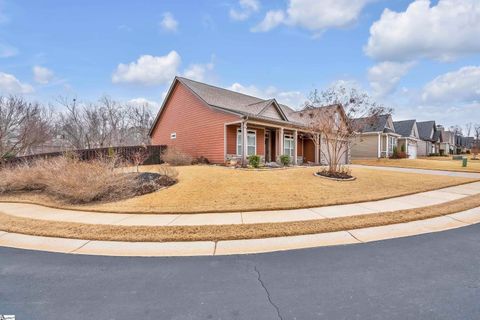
x: 412, y: 151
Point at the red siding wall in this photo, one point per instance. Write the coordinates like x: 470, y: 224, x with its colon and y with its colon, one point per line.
x: 232, y: 139
x: 199, y: 129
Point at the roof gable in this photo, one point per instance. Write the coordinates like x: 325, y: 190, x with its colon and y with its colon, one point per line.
x: 406, y: 128
x: 426, y: 130
x: 373, y: 124
x: 272, y: 110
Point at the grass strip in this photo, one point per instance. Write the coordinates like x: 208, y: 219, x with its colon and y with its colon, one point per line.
x: 227, y: 232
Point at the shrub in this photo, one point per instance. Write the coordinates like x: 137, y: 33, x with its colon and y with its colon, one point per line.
x: 74, y: 181
x: 254, y: 161
x: 394, y: 153
x: 201, y: 160
x: 175, y: 157
x: 402, y: 148
x: 285, y: 159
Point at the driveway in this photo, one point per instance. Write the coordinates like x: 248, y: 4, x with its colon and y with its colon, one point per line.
x: 432, y: 276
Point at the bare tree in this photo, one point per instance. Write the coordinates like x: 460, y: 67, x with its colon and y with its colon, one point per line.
x: 23, y: 125
x: 476, y: 142
x: 468, y: 128
x: 456, y: 129
x: 140, y: 119
x: 104, y: 123
x: 331, y: 117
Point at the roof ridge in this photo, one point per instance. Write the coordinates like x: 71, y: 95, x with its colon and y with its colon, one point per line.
x: 262, y: 101
x: 217, y: 87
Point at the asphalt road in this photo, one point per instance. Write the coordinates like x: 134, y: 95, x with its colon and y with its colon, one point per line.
x: 433, y: 276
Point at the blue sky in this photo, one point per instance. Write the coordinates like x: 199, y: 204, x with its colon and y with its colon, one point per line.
x: 420, y: 57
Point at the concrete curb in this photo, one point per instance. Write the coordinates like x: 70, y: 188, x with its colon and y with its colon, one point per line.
x: 230, y: 247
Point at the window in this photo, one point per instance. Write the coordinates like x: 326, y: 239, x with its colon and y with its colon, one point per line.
x: 251, y: 142
x: 391, y: 143
x: 173, y: 135
x: 288, y: 145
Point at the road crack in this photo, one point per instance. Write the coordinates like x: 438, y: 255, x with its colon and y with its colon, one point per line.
x: 259, y: 278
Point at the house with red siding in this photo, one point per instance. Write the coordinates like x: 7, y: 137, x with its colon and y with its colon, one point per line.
x: 222, y: 125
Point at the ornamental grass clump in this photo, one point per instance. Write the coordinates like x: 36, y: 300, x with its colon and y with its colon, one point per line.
x: 74, y: 181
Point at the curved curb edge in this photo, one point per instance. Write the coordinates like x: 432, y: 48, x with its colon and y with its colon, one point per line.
x: 231, y: 247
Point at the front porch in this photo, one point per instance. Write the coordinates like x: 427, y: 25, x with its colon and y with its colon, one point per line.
x: 269, y: 141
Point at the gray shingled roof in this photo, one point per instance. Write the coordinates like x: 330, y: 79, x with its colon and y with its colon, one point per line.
x: 404, y: 128
x: 425, y: 129
x: 235, y: 101
x: 376, y: 124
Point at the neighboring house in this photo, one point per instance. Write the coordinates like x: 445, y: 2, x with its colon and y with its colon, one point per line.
x: 447, y: 141
x: 222, y: 125
x: 408, y: 142
x: 463, y: 144
x: 429, y: 138
x: 376, y: 137
x: 469, y: 142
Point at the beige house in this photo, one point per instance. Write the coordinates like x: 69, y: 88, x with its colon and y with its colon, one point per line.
x: 429, y: 138
x: 376, y: 138
x: 408, y: 142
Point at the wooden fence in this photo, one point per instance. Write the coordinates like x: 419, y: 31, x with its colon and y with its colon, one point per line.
x: 153, y: 154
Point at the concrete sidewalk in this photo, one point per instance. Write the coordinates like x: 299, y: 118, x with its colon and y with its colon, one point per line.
x: 460, y: 174
x: 210, y: 248
x: 393, y: 204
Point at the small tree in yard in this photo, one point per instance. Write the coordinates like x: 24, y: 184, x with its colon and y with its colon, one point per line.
x: 140, y: 156
x: 330, y: 117
x: 476, y: 143
x: 23, y: 125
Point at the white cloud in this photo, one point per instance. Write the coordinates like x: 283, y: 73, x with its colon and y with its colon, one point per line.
x: 314, y: 15
x: 293, y: 99
x: 7, y: 51
x: 140, y: 101
x: 271, y: 20
x: 11, y: 85
x: 443, y: 32
x: 42, y: 75
x: 148, y: 70
x: 168, y: 22
x: 385, y: 76
x: 198, y: 71
x: 444, y: 114
x: 247, y: 7
x: 462, y: 85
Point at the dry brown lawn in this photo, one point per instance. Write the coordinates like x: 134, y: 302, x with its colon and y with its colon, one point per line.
x: 219, y: 189
x: 226, y: 232
x: 434, y: 163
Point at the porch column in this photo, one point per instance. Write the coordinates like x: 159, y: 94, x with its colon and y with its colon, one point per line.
x: 317, y: 147
x: 295, y: 137
x: 386, y: 149
x: 244, y: 143
x: 280, y: 142
x: 379, y: 150
x: 406, y: 146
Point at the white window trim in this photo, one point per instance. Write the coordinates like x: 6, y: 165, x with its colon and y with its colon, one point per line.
x: 289, y: 137
x: 391, y: 143
x: 239, y: 144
